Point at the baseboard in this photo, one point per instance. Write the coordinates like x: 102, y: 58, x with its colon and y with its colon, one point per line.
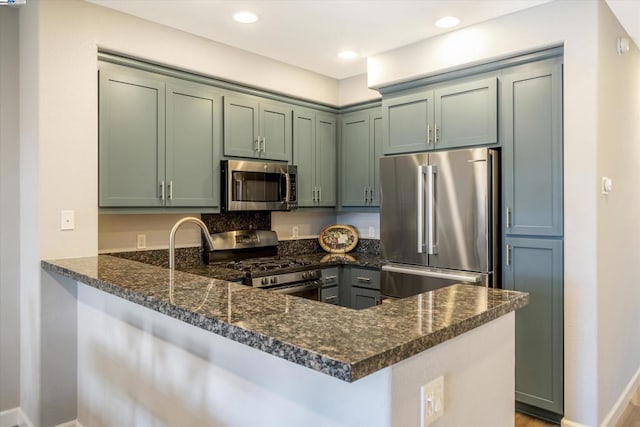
x: 567, y: 423
x: 14, y: 417
x: 628, y: 395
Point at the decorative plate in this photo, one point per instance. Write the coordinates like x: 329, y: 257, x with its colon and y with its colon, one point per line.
x: 338, y: 238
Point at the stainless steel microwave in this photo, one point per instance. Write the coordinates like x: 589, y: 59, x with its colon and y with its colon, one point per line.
x: 258, y: 186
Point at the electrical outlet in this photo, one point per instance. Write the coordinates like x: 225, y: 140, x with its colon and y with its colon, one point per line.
x: 432, y: 398
x: 372, y: 232
x: 67, y: 220
x: 142, y: 241
x: 294, y: 231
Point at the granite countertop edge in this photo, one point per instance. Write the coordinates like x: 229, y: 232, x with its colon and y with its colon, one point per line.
x: 346, y: 370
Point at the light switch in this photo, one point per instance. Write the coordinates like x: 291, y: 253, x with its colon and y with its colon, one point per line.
x: 67, y: 220
x: 607, y: 185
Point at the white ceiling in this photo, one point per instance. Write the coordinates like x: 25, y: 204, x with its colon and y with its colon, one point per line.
x: 310, y: 33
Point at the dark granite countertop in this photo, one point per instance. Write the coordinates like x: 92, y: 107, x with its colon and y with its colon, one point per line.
x: 341, y: 342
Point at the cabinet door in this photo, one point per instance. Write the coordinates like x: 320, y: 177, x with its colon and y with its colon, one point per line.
x: 364, y: 298
x: 466, y: 114
x: 325, y: 149
x: 275, y: 132
x: 303, y: 155
x: 376, y: 152
x: 408, y: 121
x: 532, y: 150
x: 241, y: 126
x: 131, y: 144
x: 534, y: 265
x: 365, y: 278
x: 191, y: 150
x: 355, y: 158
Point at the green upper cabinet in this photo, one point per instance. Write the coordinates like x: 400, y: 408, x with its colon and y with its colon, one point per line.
x: 455, y: 115
x: 131, y: 138
x: 409, y: 120
x: 192, y: 162
x: 314, y: 152
x: 532, y: 149
x: 158, y: 141
x: 361, y: 140
x: 254, y: 128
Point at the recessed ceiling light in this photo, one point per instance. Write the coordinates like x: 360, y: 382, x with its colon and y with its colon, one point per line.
x: 347, y: 54
x: 447, y: 22
x: 245, y: 17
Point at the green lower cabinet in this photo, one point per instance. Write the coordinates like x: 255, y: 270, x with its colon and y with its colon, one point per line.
x: 330, y: 295
x: 534, y: 265
x: 364, y: 287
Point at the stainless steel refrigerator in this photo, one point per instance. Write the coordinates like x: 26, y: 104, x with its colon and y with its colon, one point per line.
x: 438, y: 220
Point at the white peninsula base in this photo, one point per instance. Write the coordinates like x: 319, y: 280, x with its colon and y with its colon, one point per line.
x: 137, y: 367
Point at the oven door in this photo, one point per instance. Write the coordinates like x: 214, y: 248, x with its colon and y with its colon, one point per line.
x: 308, y: 290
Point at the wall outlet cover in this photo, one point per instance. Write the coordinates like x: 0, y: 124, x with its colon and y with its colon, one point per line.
x: 432, y: 401
x: 67, y: 220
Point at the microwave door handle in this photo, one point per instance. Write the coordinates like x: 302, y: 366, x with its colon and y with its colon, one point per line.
x: 287, y: 180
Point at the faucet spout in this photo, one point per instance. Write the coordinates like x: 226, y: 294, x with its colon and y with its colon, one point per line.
x: 172, y: 238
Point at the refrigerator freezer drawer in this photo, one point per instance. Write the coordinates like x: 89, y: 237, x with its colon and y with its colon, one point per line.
x: 401, y: 281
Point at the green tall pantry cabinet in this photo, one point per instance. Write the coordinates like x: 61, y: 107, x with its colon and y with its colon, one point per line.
x: 158, y: 142
x: 532, y: 223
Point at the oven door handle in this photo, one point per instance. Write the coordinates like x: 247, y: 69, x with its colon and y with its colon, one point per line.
x: 300, y: 288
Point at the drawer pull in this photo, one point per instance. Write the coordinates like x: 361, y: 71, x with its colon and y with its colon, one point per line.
x: 330, y: 277
x: 363, y: 279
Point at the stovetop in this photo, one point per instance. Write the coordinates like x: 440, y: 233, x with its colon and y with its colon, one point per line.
x: 256, y: 267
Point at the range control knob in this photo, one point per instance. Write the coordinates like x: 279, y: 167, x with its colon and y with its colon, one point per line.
x: 265, y: 281
x: 306, y: 275
x: 274, y: 280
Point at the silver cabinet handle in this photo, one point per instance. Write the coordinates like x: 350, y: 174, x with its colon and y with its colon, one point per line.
x: 508, y: 254
x: 256, y: 145
x: 366, y: 194
x: 508, y: 218
x: 435, y: 133
x: 330, y: 277
x: 428, y: 134
x: 331, y: 300
x: 319, y: 193
x: 363, y: 279
x: 264, y: 144
x: 162, y: 190
x: 371, y: 194
x: 170, y: 190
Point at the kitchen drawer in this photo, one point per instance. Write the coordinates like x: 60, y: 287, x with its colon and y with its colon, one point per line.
x: 330, y: 295
x: 365, y: 278
x: 330, y: 277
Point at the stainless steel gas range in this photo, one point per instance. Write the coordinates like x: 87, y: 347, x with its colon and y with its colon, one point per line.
x: 255, y: 252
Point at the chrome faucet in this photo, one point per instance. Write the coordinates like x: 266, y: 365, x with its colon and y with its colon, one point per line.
x: 172, y: 238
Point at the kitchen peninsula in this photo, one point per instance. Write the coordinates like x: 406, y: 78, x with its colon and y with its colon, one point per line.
x: 205, y: 375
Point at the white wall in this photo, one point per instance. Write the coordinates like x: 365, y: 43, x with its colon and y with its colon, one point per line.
x: 618, y: 226
x: 574, y: 24
x: 154, y: 370
x: 9, y: 212
x: 354, y: 90
x: 119, y: 232
x: 58, y: 137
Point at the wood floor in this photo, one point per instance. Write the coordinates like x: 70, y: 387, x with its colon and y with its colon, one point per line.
x: 630, y: 417
x: 523, y: 420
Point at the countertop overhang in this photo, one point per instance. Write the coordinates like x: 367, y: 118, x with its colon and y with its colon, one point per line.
x: 344, y: 343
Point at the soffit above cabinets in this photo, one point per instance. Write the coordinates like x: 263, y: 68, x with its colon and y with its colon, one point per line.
x: 310, y: 33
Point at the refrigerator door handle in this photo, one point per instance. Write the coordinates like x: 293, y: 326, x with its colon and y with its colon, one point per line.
x: 468, y: 277
x: 422, y: 170
x: 431, y: 213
